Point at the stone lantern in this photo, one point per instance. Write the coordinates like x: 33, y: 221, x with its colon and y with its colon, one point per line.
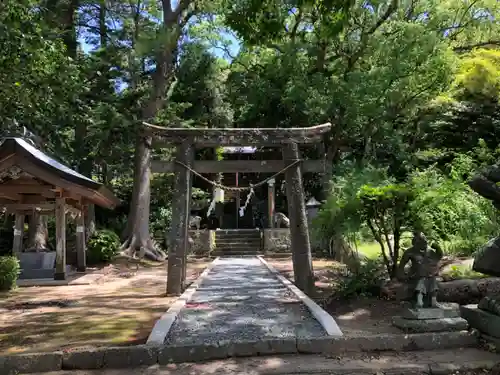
x: 312, y: 208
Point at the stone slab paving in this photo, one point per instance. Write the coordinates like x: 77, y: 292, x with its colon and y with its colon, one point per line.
x: 436, y: 362
x: 240, y: 300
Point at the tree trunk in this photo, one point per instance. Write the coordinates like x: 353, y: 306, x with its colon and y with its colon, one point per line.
x: 338, y: 246
x: 138, y: 239
x: 61, y: 14
x: 37, y: 233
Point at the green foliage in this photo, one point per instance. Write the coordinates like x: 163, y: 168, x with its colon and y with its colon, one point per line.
x: 200, y: 89
x: 448, y: 211
x: 435, y: 200
x: 9, y: 271
x: 259, y: 22
x: 102, y: 246
x: 365, y: 282
x: 459, y: 272
x: 389, y: 77
x: 366, y: 198
x: 161, y: 219
x: 340, y: 214
x: 386, y: 210
x: 478, y: 76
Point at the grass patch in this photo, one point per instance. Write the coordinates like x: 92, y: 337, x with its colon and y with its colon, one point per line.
x: 461, y: 271
x: 371, y: 250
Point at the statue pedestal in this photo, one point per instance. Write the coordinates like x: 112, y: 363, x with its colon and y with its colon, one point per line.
x: 484, y: 321
x: 444, y: 318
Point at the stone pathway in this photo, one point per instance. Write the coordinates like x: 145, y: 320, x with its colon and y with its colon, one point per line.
x: 240, y: 300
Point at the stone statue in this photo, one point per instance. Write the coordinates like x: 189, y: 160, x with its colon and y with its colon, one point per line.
x: 281, y: 221
x: 423, y: 272
x: 195, y: 221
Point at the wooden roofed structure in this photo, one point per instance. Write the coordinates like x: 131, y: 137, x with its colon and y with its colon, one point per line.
x: 33, y: 182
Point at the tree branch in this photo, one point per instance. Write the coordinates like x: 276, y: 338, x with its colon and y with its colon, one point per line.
x: 467, y: 48
x: 298, y: 19
x: 181, y: 7
x: 393, y: 6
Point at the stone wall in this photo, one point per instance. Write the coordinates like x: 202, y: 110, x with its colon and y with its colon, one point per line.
x: 277, y: 240
x: 204, y: 242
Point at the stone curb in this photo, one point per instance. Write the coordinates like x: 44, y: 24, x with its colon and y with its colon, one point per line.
x: 146, y: 355
x: 452, y: 368
x: 326, y: 320
x: 162, y: 326
x: 439, y: 368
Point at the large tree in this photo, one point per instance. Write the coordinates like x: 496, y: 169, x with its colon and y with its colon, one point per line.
x: 168, y: 34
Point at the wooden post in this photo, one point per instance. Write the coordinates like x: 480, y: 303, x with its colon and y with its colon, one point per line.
x: 60, y: 273
x: 190, y: 162
x: 17, y: 245
x: 237, y: 200
x: 299, y: 231
x: 270, y: 202
x: 81, y: 260
x: 180, y: 219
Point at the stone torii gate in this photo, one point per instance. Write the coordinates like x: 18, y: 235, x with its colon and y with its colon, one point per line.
x: 187, y: 139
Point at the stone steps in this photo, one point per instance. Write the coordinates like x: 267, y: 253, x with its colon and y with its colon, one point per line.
x: 237, y: 247
x: 229, y: 253
x: 237, y: 242
x: 253, y: 244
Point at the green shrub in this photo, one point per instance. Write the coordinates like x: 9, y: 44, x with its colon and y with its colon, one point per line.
x: 385, y: 208
x: 459, y: 272
x: 9, y: 271
x: 464, y: 247
x: 103, y: 246
x: 449, y: 212
x: 366, y: 282
x: 340, y: 215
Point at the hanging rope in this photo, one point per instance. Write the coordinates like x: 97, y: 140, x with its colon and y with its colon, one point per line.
x: 250, y: 188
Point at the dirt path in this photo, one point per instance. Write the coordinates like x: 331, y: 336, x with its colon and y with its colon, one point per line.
x: 393, y: 363
x: 120, y: 308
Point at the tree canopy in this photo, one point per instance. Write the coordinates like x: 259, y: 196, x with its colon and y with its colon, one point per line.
x: 407, y: 84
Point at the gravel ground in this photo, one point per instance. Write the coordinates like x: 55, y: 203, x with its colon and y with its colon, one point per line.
x: 241, y: 300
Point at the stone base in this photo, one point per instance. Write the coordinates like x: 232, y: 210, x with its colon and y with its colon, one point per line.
x: 445, y: 310
x: 59, y: 276
x: 483, y: 321
x: 430, y: 325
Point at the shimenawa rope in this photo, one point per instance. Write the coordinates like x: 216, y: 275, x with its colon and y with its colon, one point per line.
x: 244, y: 188
x: 250, y: 188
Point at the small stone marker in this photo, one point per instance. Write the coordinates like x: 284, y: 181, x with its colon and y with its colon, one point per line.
x: 37, y: 265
